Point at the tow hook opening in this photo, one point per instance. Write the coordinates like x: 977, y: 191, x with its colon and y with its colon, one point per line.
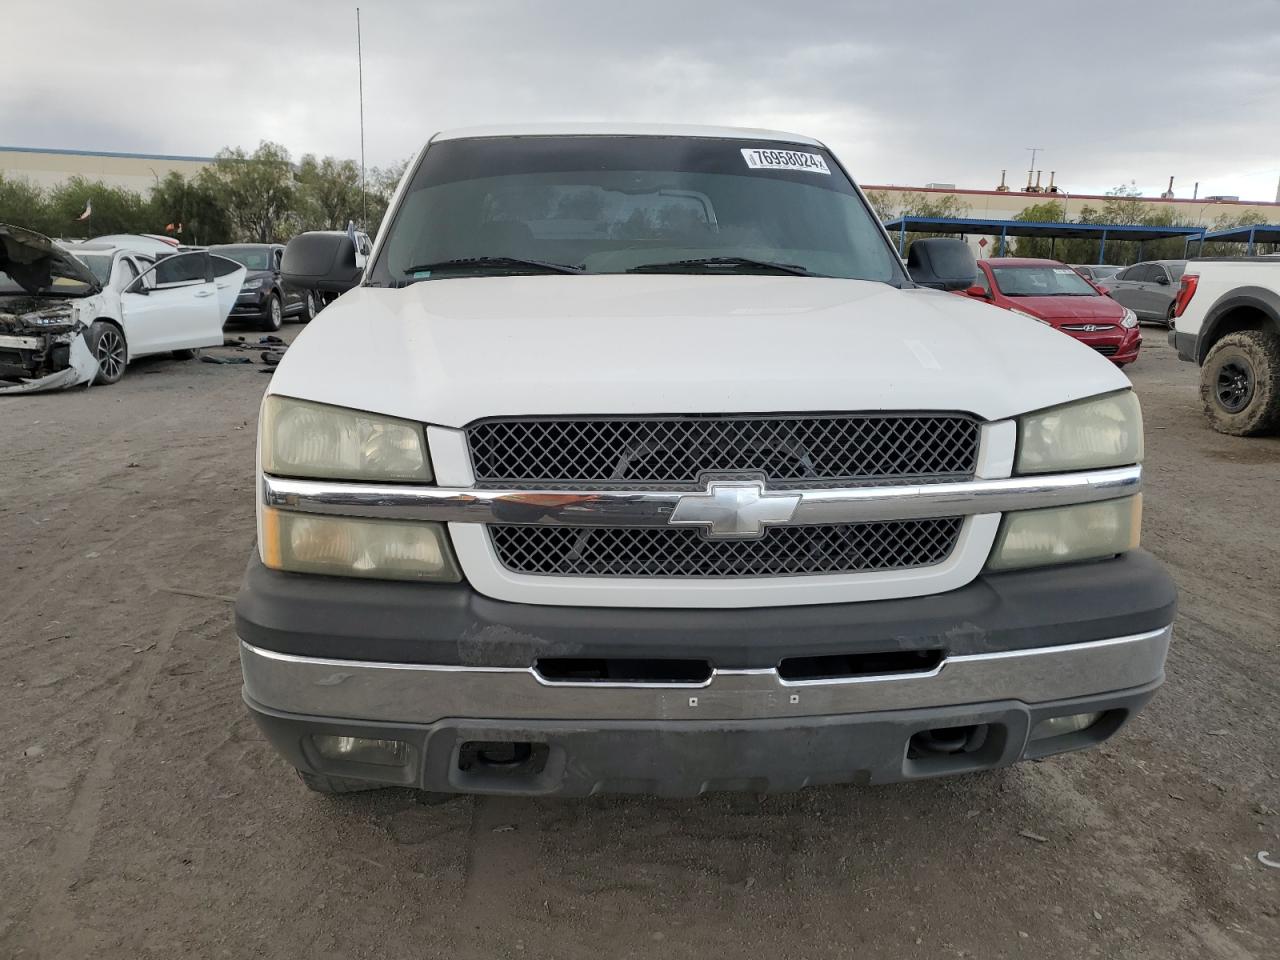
x: 520, y: 758
x: 948, y: 741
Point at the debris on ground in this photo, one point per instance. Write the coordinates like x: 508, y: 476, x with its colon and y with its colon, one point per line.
x: 1033, y: 836
x: 208, y: 358
x: 1265, y: 858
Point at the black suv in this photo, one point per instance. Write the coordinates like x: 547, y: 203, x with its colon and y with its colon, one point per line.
x: 265, y: 298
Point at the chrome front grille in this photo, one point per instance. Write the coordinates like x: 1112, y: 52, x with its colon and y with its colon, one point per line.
x: 681, y: 452
x: 681, y: 552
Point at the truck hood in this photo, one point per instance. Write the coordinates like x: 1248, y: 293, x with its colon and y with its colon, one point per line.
x: 1069, y: 309
x: 452, y: 351
x: 31, y: 258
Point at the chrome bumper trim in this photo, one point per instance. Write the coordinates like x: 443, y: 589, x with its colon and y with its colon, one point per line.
x: 618, y: 508
x: 417, y: 693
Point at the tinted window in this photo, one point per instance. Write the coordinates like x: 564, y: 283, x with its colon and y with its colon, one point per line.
x: 223, y: 266
x: 1175, y: 270
x: 183, y: 268
x: 610, y: 204
x: 1140, y: 273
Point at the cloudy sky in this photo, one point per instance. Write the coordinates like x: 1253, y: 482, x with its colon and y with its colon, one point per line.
x: 906, y: 92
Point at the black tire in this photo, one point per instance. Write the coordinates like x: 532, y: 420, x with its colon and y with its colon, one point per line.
x: 332, y: 785
x: 1168, y: 316
x: 190, y: 354
x: 107, y: 344
x: 309, y: 308
x: 274, y: 318
x: 1240, y: 383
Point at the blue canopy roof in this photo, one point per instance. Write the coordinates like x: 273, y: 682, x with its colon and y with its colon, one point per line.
x: 1102, y: 232
x: 1258, y: 233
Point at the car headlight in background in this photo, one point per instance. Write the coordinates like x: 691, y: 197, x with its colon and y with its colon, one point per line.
x: 1130, y: 319
x: 1085, y: 531
x: 356, y: 547
x: 251, y: 284
x: 299, y: 438
x: 1100, y: 432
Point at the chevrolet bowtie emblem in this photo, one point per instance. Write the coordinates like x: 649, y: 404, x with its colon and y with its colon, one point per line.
x: 732, y: 509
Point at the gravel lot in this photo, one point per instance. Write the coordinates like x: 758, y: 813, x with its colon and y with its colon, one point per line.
x: 143, y: 815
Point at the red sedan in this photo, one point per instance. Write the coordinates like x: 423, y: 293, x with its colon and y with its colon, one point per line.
x: 1053, y: 293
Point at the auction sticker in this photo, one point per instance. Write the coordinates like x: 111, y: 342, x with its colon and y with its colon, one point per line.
x: 785, y: 160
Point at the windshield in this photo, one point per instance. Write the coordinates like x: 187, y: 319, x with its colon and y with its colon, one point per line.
x: 99, y: 265
x: 1042, y: 282
x: 619, y: 204
x: 251, y: 258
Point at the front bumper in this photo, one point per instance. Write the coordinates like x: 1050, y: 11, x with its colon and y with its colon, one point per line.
x: 441, y: 667
x: 255, y: 306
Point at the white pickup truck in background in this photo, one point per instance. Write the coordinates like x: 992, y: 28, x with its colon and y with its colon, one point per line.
x: 1227, y: 320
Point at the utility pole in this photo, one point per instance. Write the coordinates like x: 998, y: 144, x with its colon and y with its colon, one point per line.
x: 364, y: 186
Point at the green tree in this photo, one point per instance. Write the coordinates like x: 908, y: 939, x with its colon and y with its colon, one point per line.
x: 23, y: 204
x: 114, y: 210
x: 257, y: 190
x: 191, y: 205
x: 328, y: 193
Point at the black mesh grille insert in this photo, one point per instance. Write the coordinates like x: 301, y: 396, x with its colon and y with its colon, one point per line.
x: 674, y: 452
x: 681, y: 552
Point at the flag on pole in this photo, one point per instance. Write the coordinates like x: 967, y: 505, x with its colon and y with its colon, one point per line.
x: 88, y: 212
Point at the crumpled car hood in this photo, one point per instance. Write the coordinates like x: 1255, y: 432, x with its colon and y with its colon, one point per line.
x: 22, y: 249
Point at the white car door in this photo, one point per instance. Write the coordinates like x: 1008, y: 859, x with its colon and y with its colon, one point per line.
x: 228, y: 277
x: 173, y: 306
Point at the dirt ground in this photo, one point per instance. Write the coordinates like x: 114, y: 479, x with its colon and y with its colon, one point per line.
x: 142, y: 815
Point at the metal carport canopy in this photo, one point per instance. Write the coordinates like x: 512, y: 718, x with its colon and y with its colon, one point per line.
x: 1258, y: 233
x: 1031, y: 228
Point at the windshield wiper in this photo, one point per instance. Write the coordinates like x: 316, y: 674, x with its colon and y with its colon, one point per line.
x: 483, y: 263
x: 791, y: 268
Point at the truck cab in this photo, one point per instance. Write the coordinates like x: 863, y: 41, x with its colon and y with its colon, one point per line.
x: 636, y: 461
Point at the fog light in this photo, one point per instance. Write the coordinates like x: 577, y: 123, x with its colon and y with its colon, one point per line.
x: 1057, y: 726
x: 386, y: 753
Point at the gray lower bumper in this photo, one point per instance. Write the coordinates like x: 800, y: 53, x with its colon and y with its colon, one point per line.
x: 741, y: 730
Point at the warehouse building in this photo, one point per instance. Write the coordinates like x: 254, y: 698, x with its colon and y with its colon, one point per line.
x: 139, y: 172
x: 1007, y: 204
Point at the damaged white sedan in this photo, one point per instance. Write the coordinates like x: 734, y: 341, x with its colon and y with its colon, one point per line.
x: 61, y: 325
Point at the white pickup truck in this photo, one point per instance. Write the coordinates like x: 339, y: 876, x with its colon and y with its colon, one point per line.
x: 1226, y: 318
x: 637, y: 462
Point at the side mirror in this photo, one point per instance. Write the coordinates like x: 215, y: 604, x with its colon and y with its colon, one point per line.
x: 977, y: 292
x: 942, y: 263
x: 1162, y: 280
x: 138, y: 287
x: 324, y: 262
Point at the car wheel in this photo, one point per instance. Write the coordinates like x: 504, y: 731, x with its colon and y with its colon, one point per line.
x: 274, y: 319
x: 309, y: 308
x: 1168, y: 316
x: 1240, y: 383
x: 107, y: 344
x: 190, y: 354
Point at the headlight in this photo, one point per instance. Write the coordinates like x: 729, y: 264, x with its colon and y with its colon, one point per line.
x: 1030, y: 316
x: 356, y: 547
x: 303, y: 439
x: 251, y: 284
x: 1101, y: 432
x: 1130, y: 319
x: 1086, y: 531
